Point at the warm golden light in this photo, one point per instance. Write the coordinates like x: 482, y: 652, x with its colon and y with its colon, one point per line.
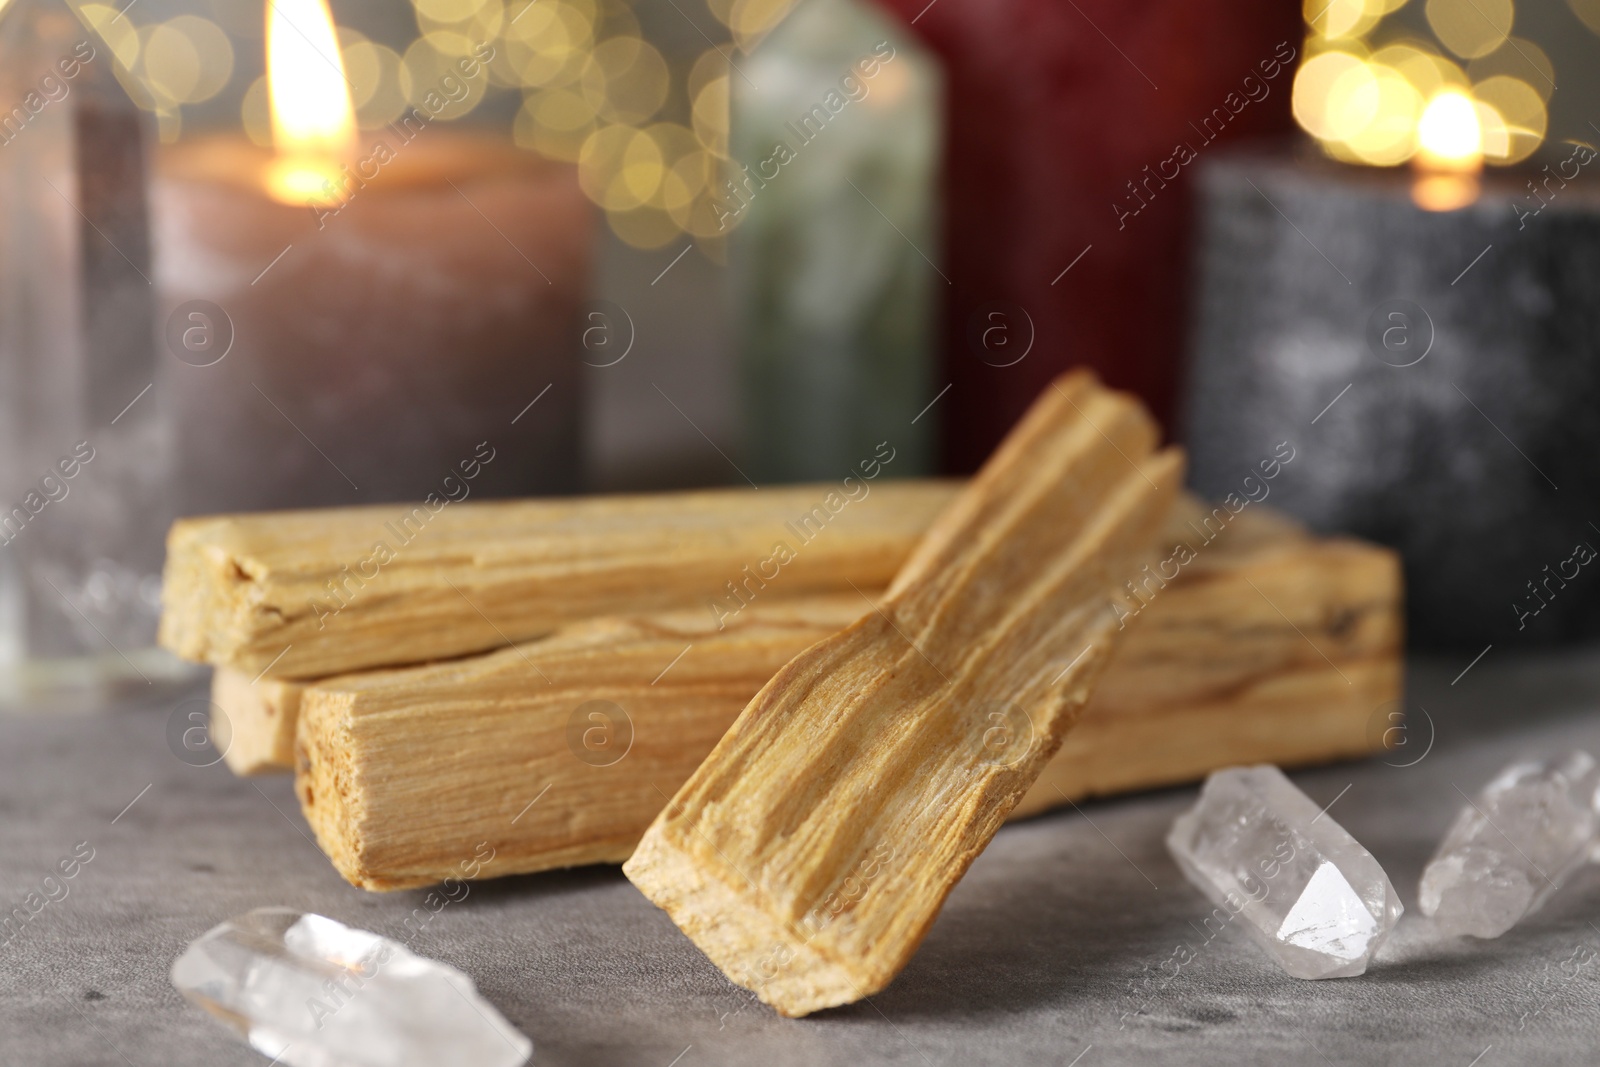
x: 751, y: 20
x: 1390, y: 136
x: 1404, y: 99
x: 313, y: 119
x: 1328, y: 97
x: 1449, y: 152
x: 594, y: 91
x: 1449, y: 136
x: 1471, y: 28
x: 1334, y: 19
x: 1514, y: 118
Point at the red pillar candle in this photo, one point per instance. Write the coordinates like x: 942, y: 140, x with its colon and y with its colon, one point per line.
x: 1072, y: 129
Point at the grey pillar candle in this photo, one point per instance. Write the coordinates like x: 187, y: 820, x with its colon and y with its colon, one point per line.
x: 1436, y: 372
x: 370, y: 354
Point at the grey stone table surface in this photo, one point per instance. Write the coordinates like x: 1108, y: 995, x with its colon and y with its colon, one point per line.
x: 1055, y: 949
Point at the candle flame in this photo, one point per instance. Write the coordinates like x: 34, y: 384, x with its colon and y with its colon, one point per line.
x: 1449, y: 135
x: 313, y: 120
x: 1449, y: 152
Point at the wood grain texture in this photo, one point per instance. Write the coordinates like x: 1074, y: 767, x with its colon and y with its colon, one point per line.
x: 402, y: 773
x: 318, y: 593
x: 492, y: 730
x: 253, y: 720
x: 259, y: 713
x: 1277, y: 650
x: 866, y: 771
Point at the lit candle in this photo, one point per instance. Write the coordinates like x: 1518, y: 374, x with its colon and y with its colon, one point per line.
x: 1449, y: 153
x: 1424, y: 334
x: 357, y: 318
x: 313, y: 121
x: 1426, y: 341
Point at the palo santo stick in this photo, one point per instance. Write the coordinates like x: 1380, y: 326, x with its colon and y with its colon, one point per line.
x: 1255, y: 687
x: 395, y: 769
x: 862, y: 775
x: 255, y: 730
x: 261, y: 705
x: 1267, y: 649
x: 262, y: 710
x: 316, y: 593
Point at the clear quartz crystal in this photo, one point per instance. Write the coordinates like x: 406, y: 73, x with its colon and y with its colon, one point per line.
x: 86, y: 447
x: 1509, y: 849
x: 1269, y: 858
x: 311, y: 992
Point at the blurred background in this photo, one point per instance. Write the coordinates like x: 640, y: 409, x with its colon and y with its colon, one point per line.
x: 290, y: 255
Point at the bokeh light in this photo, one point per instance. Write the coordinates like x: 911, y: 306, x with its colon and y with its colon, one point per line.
x: 374, y: 74
x: 433, y: 79
x: 649, y: 142
x: 120, y: 34
x: 1329, y: 99
x: 646, y: 228
x: 1424, y: 68
x: 1521, y: 59
x: 1470, y: 28
x: 1521, y: 111
x: 555, y: 122
x: 547, y: 44
x: 625, y: 80
x: 752, y: 20
x: 255, y: 113
x: 1404, y: 98
x: 1588, y: 11
x: 169, y: 63
x: 456, y: 27
x: 710, y: 116
x: 1389, y: 136
x: 1333, y: 19
x: 619, y: 167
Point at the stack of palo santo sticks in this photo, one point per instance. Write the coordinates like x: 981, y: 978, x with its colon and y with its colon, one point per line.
x: 802, y: 711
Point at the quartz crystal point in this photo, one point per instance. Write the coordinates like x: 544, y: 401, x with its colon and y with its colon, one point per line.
x: 1510, y: 847
x: 311, y: 992
x: 834, y: 302
x: 1270, y: 859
